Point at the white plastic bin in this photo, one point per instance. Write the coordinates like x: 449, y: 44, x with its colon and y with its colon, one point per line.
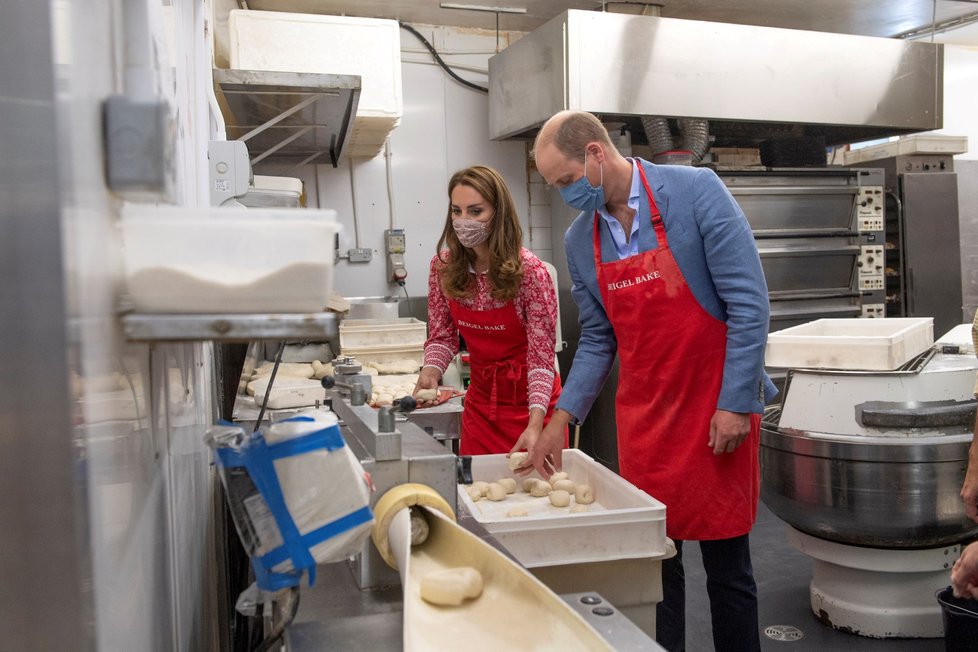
x: 853, y: 344
x: 400, y: 333
x: 624, y: 522
x: 228, y: 260
x: 389, y: 360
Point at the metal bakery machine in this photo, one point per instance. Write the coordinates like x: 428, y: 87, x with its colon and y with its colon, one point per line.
x: 864, y: 458
x: 414, y: 484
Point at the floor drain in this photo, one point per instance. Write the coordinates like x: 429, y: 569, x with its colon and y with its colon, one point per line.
x: 784, y: 633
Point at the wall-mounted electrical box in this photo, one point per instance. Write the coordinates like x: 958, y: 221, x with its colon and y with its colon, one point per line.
x: 395, y: 243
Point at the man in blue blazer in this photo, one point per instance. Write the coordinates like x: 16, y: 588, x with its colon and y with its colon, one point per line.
x: 666, y: 276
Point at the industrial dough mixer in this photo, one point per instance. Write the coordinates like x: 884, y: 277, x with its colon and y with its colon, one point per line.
x: 866, y: 466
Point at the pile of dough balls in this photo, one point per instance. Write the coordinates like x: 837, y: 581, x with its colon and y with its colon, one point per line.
x: 386, y: 389
x: 398, y: 366
x: 558, y: 490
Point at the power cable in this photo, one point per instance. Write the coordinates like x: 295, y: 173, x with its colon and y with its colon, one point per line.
x: 441, y: 62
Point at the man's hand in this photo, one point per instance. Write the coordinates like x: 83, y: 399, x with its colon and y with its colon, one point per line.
x: 544, y: 447
x: 728, y: 430
x: 964, y: 573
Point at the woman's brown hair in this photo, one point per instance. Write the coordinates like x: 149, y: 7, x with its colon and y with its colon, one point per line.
x: 505, y: 239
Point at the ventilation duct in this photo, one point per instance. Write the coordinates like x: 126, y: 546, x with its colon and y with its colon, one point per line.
x: 742, y: 84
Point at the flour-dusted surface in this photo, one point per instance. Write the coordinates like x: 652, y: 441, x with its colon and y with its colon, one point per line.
x: 301, y: 287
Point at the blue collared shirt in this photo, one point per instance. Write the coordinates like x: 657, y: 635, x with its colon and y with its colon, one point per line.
x: 625, y: 248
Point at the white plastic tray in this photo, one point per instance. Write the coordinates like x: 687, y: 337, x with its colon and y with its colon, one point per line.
x: 851, y: 344
x: 624, y: 522
x: 907, y: 145
x: 401, y: 333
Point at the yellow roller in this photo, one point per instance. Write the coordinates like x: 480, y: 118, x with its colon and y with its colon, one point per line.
x: 514, y: 611
x: 401, y: 498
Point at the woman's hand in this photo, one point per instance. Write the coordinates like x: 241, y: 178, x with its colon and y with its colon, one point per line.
x: 429, y: 378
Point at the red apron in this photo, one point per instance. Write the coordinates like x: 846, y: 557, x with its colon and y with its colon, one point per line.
x: 497, y: 400
x: 671, y: 355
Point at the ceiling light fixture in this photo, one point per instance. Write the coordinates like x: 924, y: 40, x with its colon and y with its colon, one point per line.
x: 492, y: 10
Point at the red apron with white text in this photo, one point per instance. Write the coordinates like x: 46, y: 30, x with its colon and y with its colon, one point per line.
x: 671, y: 355
x: 497, y: 400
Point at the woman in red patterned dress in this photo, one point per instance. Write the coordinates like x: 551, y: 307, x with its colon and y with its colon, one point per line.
x: 485, y: 286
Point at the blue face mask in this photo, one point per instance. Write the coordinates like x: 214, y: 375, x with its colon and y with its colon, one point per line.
x: 582, y: 195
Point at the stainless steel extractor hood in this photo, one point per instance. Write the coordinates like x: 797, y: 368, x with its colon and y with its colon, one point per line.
x: 751, y: 83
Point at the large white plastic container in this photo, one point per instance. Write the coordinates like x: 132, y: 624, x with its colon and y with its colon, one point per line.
x: 853, y: 344
x: 616, y: 548
x: 337, y: 45
x: 228, y: 260
x: 389, y: 360
x: 908, y: 145
x: 401, y: 333
x: 624, y: 522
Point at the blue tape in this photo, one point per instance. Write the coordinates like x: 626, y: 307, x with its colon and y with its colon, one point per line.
x: 257, y: 456
x: 262, y: 472
x: 317, y: 536
x: 328, y: 438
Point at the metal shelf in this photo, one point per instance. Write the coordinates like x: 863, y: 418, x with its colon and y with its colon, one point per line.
x: 318, y: 326
x: 288, y: 117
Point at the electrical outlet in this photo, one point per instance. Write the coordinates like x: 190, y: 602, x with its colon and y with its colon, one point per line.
x: 360, y: 255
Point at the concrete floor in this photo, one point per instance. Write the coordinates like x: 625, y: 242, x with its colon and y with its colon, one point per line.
x: 782, y: 574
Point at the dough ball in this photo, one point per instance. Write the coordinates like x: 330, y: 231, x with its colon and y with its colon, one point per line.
x: 564, y: 485
x: 559, y: 498
x: 516, y: 459
x: 529, y: 483
x: 577, y: 507
x: 497, y: 492
x: 426, y: 394
x: 540, y: 488
x: 517, y: 511
x: 474, y: 493
x: 385, y: 399
x: 419, y: 527
x: 584, y: 494
x: 451, y: 586
x: 481, y: 486
x: 320, y: 370
x: 559, y: 475
x: 508, y: 483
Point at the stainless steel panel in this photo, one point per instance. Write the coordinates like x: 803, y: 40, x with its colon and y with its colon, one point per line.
x: 853, y: 87
x: 797, y: 210
x: 46, y: 599
x: 314, y: 327
x: 822, y: 266
x: 933, y: 256
x: 787, y: 313
x: 290, y: 116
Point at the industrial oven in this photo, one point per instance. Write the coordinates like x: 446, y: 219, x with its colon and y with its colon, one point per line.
x: 923, y: 251
x: 820, y: 236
